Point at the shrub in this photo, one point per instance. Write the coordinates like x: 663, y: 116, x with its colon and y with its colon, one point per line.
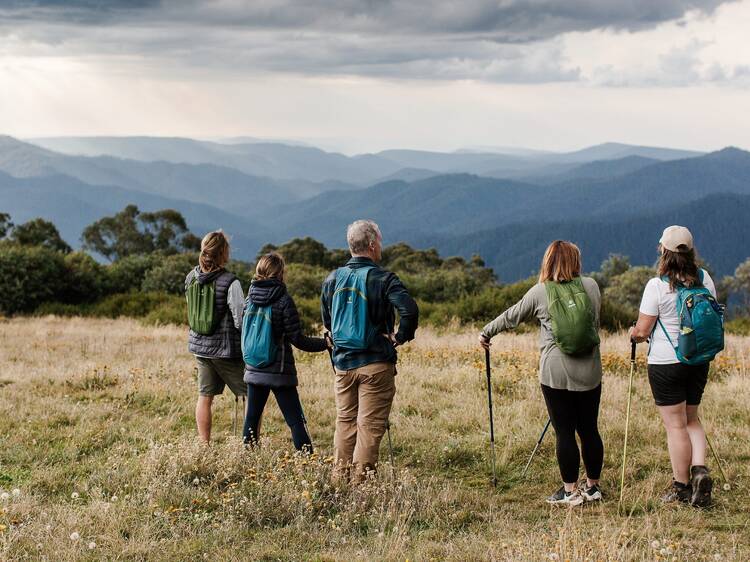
x: 29, y: 276
x: 170, y: 311
x: 305, y: 281
x: 739, y: 326
x: 169, y: 274
x: 85, y: 279
x: 127, y: 274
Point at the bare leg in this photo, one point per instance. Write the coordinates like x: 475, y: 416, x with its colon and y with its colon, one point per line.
x: 203, y: 417
x: 678, y: 441
x: 697, y: 436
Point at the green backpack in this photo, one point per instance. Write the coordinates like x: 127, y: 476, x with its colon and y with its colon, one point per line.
x: 572, y: 317
x: 200, y: 306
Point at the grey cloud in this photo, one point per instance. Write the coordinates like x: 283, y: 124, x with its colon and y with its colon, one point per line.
x: 506, y: 20
x: 513, y: 41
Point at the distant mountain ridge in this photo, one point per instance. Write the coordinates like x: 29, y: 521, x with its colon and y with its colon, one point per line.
x: 460, y: 208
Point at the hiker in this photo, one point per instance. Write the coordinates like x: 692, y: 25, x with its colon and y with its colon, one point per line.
x: 570, y: 369
x: 215, y: 303
x: 270, y: 327
x: 357, y: 305
x: 677, y: 384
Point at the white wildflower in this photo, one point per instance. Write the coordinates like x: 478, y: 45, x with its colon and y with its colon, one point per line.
x: 654, y: 544
x: 74, y: 536
x: 113, y: 499
x: 196, y: 481
x: 92, y: 545
x: 16, y: 492
x: 553, y: 556
x: 5, y: 496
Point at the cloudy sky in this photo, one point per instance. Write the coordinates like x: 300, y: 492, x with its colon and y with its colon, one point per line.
x: 363, y: 75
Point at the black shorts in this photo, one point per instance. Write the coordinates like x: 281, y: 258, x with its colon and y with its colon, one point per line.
x: 677, y: 382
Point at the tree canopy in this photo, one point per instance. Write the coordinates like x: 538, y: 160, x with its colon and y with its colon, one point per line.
x: 131, y: 232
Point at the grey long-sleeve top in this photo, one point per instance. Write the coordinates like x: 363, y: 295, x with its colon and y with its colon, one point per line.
x: 556, y: 369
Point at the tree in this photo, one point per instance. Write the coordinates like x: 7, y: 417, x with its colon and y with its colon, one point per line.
x: 29, y: 275
x: 5, y: 224
x: 131, y: 232
x: 39, y: 232
x: 740, y: 282
x: 627, y: 288
x: 614, y: 265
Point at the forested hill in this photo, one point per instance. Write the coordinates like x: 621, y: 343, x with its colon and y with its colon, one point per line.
x: 607, y: 198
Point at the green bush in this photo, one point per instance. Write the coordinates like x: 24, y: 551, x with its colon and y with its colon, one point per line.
x: 738, y: 326
x: 29, y: 276
x: 305, y: 281
x: 127, y: 274
x: 169, y: 274
x: 85, y: 279
x: 171, y: 311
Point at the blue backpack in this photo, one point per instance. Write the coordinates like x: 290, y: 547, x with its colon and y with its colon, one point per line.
x: 350, y: 319
x: 701, y: 324
x: 258, y: 346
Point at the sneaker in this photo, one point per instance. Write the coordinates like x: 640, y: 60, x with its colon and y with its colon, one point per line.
x: 678, y: 492
x: 702, y: 485
x: 561, y: 497
x: 592, y: 494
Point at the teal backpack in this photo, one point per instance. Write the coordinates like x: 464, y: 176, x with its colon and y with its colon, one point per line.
x: 701, y: 324
x: 350, y: 320
x: 258, y: 346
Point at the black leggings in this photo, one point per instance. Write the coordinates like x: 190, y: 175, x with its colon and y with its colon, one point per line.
x: 571, y: 412
x: 289, y: 404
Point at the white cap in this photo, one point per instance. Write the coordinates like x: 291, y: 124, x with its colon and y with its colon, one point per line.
x: 676, y: 236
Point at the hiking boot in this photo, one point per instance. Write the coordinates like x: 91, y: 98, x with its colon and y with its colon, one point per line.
x: 678, y: 492
x: 561, y: 497
x: 592, y: 494
x: 702, y: 485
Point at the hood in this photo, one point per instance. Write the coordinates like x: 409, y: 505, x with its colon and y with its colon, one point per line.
x: 268, y: 291
x: 204, y: 278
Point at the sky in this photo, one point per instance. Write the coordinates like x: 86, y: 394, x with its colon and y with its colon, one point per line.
x: 365, y: 75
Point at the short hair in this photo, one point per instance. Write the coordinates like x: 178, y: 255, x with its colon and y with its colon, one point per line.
x: 214, y: 251
x: 561, y: 262
x: 270, y: 266
x: 360, y: 234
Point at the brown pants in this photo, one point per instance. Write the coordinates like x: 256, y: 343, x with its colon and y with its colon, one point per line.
x: 363, y: 403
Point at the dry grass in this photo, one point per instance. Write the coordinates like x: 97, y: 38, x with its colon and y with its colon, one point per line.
x: 96, y: 428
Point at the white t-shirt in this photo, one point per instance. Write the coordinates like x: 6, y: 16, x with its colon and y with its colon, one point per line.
x: 659, y: 301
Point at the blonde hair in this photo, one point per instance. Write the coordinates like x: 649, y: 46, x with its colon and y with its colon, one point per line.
x: 561, y: 262
x: 270, y: 266
x: 214, y: 251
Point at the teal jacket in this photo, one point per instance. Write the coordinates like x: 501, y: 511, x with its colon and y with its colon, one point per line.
x: 386, y: 295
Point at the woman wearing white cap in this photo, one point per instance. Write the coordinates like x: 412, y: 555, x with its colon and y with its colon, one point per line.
x: 677, y: 387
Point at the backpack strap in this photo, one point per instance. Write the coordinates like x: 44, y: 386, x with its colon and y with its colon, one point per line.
x: 663, y: 329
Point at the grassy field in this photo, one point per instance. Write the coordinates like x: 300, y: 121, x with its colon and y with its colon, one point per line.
x: 98, y: 459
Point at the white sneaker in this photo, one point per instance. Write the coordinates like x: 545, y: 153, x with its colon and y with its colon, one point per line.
x: 561, y: 497
x: 591, y: 494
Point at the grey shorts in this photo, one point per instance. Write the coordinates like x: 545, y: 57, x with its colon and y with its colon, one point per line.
x: 215, y: 374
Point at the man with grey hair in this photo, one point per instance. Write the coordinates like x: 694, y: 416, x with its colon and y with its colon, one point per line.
x: 358, y: 305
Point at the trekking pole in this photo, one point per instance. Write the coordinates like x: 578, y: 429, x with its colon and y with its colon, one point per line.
x: 727, y: 484
x: 492, y: 422
x: 234, y: 423
x: 627, y: 423
x: 538, y: 444
x: 390, y: 444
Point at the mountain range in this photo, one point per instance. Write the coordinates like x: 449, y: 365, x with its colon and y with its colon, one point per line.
x: 504, y: 206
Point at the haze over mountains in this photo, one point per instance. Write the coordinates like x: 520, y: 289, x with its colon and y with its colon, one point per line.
x: 505, y: 206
